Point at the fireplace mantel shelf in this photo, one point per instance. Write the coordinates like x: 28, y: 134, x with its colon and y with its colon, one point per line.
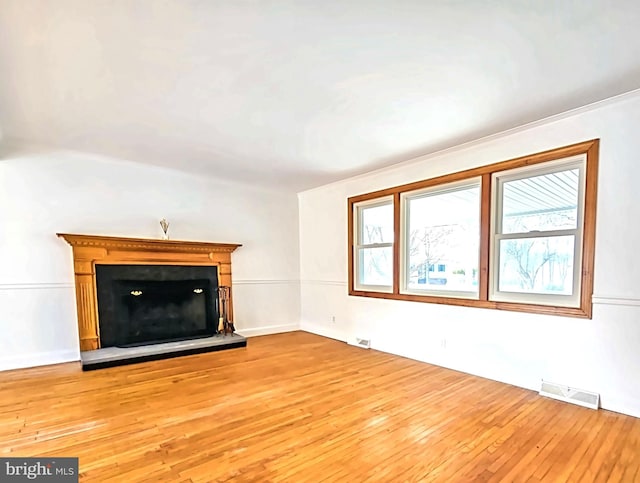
x: 89, y: 250
x: 146, y: 243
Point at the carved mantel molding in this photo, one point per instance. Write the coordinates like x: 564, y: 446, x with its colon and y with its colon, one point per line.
x: 89, y: 250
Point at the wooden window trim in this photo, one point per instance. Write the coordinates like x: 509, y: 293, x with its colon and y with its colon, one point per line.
x: 359, y: 245
x: 585, y: 310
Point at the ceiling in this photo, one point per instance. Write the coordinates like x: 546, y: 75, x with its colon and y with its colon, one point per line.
x: 294, y: 94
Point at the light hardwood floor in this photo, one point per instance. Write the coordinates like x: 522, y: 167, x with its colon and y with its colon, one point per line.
x: 298, y: 407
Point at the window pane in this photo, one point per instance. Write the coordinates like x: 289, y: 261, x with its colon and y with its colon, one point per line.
x: 375, y: 266
x: 376, y: 224
x: 443, y: 241
x: 546, y: 202
x: 537, y: 265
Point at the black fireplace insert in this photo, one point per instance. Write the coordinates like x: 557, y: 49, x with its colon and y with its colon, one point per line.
x: 148, y: 304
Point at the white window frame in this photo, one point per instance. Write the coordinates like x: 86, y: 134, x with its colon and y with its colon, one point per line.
x: 497, y: 183
x: 405, y: 198
x: 358, y: 245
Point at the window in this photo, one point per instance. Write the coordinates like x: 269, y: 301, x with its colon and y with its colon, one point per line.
x: 537, y: 233
x: 515, y: 235
x: 374, y: 246
x: 442, y: 228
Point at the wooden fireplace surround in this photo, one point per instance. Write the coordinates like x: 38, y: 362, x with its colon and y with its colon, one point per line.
x: 90, y: 250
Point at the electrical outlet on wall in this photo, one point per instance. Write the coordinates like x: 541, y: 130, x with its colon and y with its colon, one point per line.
x: 333, y: 319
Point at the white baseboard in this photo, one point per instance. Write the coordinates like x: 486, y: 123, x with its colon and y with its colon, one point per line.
x: 630, y: 408
x: 267, y: 330
x: 38, y: 359
x: 323, y: 331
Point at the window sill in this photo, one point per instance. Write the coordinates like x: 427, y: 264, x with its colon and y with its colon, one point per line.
x: 483, y: 304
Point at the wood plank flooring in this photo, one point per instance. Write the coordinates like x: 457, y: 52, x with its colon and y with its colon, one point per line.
x: 298, y: 407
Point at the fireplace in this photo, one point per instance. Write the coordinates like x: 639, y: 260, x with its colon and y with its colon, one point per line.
x: 153, y: 267
x: 150, y: 304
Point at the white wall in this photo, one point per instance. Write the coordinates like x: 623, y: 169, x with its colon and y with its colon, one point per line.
x: 602, y: 354
x: 49, y: 192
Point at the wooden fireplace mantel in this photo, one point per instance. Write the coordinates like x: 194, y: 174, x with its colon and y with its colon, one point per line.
x: 90, y: 250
